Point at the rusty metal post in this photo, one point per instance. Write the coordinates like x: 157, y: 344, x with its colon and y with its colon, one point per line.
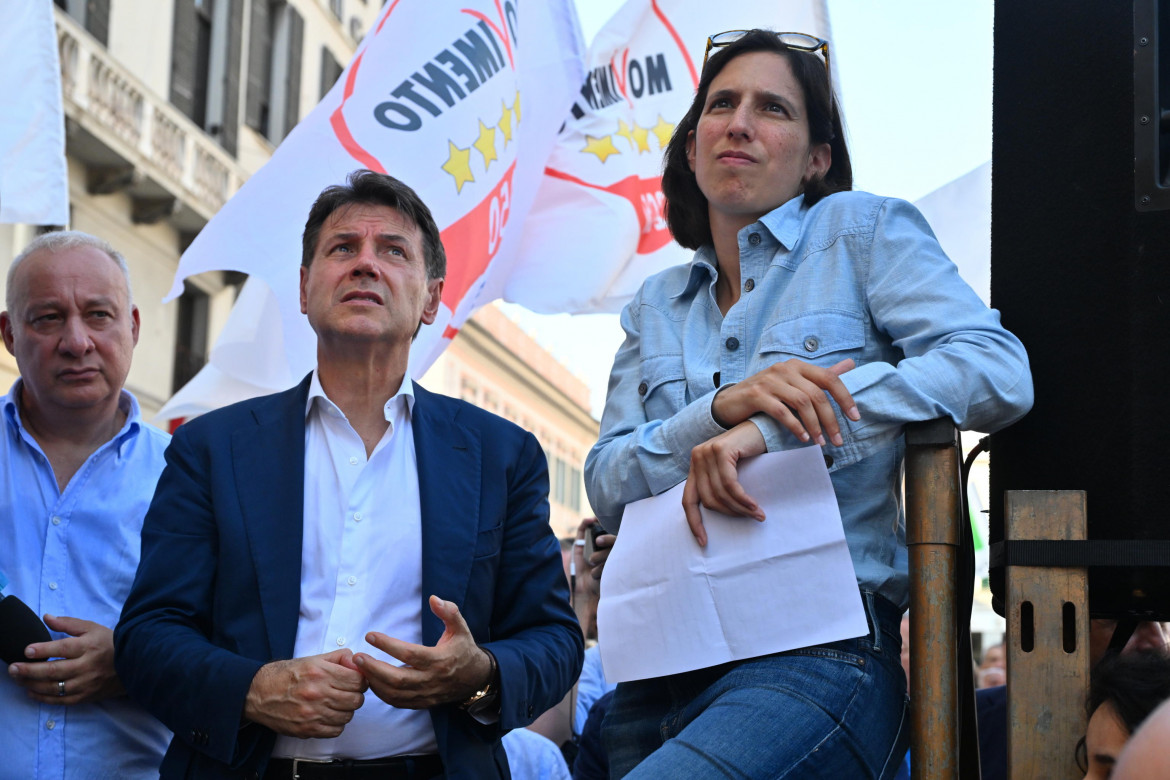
x: 933, y: 517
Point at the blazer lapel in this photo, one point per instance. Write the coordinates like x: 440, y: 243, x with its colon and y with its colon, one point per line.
x: 269, y: 467
x: 448, y: 456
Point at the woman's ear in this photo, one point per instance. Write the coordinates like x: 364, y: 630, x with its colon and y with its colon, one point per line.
x: 820, y: 158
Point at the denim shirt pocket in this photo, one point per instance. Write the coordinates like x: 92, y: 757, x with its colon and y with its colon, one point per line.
x: 815, y: 337
x: 663, y: 386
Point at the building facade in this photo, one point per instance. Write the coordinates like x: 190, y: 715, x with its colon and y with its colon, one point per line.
x: 170, y: 105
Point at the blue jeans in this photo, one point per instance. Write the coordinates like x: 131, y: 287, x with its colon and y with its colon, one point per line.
x: 833, y: 711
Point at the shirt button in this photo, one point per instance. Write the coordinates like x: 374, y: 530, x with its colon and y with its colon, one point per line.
x: 352, y: 580
x: 749, y: 285
x: 357, y: 517
x: 341, y: 641
x: 754, y: 239
x: 52, y: 586
x: 642, y: 388
x: 811, y: 343
x: 50, y: 724
x: 353, y: 461
x: 56, y: 520
x: 732, y: 343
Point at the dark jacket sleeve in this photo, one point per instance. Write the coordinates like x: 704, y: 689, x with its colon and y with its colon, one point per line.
x: 535, y: 635
x: 165, y: 649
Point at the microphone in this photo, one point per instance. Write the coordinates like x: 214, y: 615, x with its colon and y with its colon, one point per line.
x: 19, y: 628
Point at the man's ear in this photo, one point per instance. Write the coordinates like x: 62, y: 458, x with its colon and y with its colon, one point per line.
x: 304, y: 297
x: 135, y: 324
x: 6, y: 327
x: 434, y: 297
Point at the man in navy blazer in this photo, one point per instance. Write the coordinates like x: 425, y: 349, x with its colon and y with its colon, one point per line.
x: 258, y: 576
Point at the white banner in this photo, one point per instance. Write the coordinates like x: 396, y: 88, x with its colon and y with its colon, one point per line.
x: 459, y: 99
x: 597, y: 229
x: 34, y: 183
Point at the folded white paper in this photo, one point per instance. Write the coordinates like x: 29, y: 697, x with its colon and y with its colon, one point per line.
x: 670, y: 606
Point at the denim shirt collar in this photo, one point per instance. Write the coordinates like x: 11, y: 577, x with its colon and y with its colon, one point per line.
x: 785, y: 223
x: 703, y: 268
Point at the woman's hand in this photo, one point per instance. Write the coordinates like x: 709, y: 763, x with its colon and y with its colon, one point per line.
x: 785, y: 391
x: 713, y: 480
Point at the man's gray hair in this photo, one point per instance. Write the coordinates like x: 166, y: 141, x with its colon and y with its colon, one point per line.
x: 59, y: 241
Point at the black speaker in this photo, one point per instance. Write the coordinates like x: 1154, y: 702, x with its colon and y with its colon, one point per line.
x: 1080, y: 269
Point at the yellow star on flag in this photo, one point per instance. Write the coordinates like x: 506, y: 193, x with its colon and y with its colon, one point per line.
x: 505, y: 123
x: 516, y: 106
x: 458, y: 165
x: 641, y: 138
x: 486, y: 144
x: 624, y: 132
x: 663, y: 130
x: 602, y: 147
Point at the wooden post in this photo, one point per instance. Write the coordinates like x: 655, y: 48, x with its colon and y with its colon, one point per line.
x: 933, y: 517
x: 1047, y: 640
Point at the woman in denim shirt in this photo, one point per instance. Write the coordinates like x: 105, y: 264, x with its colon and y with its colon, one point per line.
x: 809, y: 313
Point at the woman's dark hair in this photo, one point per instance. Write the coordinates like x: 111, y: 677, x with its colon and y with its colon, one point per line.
x: 1134, y: 683
x: 376, y: 189
x: 686, y: 206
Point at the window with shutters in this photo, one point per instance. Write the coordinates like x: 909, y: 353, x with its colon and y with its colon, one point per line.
x: 93, y: 15
x: 275, y: 47
x: 207, y: 44
x: 191, y: 336
x: 330, y: 71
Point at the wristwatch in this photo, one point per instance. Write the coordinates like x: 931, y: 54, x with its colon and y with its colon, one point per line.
x: 487, y: 695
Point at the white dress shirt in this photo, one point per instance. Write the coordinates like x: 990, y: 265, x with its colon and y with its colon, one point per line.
x: 361, y: 566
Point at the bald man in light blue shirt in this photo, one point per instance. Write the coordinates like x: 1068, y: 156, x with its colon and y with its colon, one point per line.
x: 78, y: 468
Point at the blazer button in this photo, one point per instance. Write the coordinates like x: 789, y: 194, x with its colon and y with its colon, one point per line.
x: 531, y: 711
x: 642, y: 388
x: 732, y: 343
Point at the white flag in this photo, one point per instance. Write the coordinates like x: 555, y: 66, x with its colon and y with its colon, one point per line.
x: 597, y: 229
x: 460, y: 99
x: 34, y: 183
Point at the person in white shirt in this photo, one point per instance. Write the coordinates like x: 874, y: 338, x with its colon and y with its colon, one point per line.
x: 370, y: 532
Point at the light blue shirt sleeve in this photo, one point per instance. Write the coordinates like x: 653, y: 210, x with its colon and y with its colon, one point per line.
x: 641, y: 457
x: 959, y: 361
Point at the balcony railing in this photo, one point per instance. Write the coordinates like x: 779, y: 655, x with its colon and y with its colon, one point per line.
x: 165, y: 153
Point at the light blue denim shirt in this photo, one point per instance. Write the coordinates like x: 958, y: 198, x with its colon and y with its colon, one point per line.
x: 74, y: 554
x: 854, y: 276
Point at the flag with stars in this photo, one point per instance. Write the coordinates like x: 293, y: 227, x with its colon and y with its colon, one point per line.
x: 597, y: 229
x: 442, y: 94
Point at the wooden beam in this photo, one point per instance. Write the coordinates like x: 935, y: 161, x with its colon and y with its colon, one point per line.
x: 1047, y: 640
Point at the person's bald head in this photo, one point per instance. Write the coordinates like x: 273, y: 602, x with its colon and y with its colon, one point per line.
x: 72, y: 328
x: 59, y: 241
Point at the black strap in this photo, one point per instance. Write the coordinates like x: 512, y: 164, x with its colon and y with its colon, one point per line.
x: 1080, y: 553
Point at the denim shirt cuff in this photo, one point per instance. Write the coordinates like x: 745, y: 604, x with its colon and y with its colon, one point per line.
x: 776, y: 436
x: 690, y: 427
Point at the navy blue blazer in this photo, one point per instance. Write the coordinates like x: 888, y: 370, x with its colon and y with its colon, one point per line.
x: 217, y: 592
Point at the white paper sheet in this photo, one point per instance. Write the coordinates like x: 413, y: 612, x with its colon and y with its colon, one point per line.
x: 669, y: 606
